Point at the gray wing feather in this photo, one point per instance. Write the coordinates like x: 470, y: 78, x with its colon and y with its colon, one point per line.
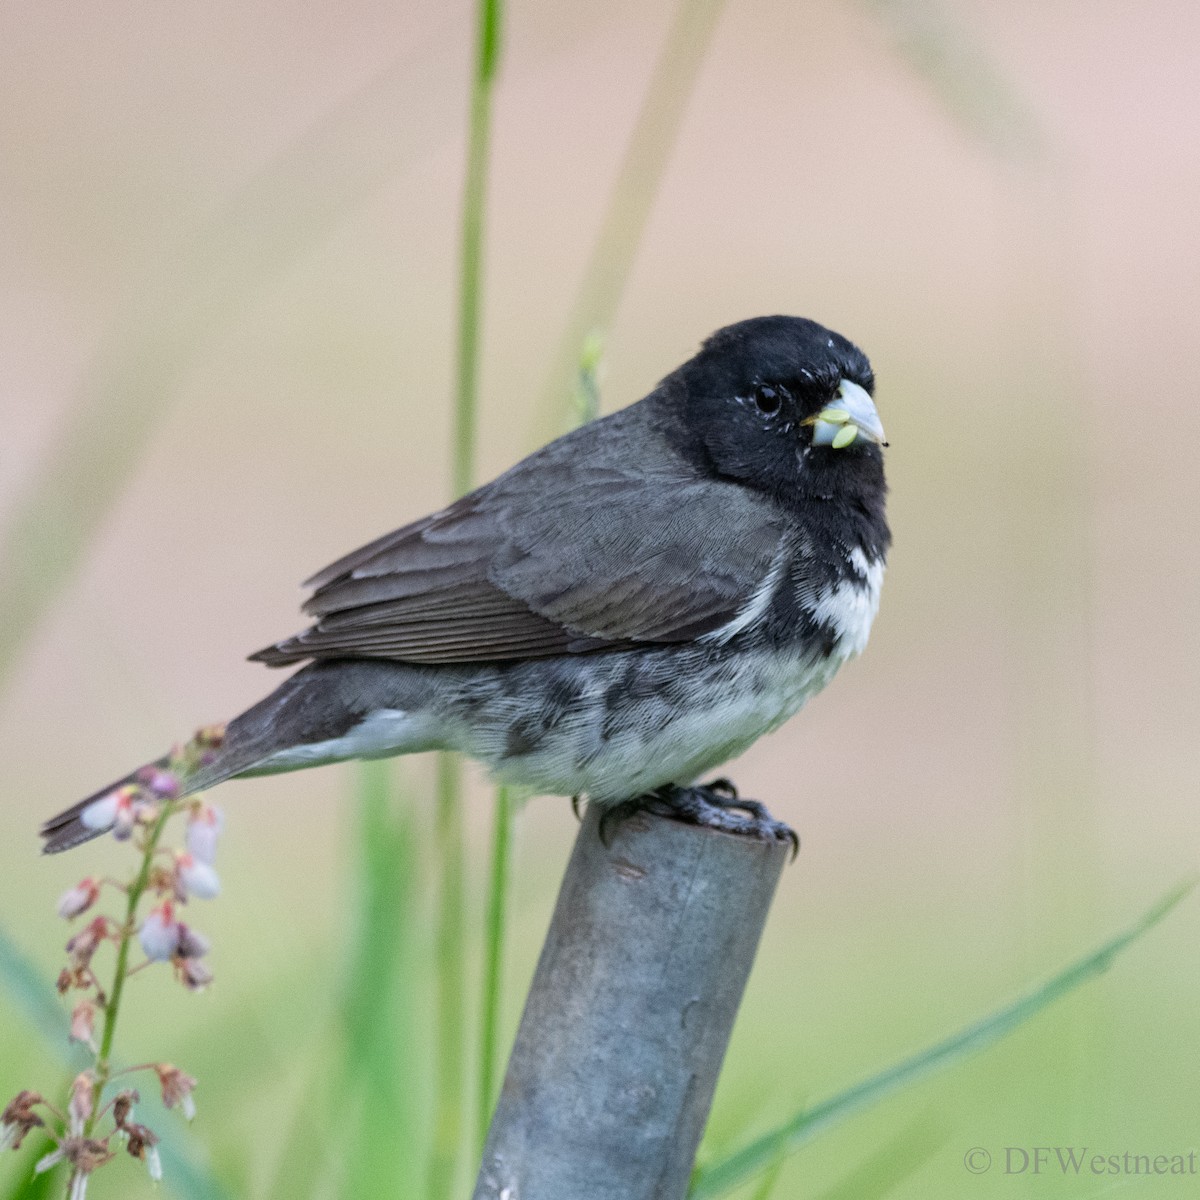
x: 557, y: 556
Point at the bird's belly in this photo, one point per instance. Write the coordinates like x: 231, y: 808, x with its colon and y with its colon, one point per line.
x: 619, y: 741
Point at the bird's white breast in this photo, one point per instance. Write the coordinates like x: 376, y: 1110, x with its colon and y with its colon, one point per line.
x: 849, y: 607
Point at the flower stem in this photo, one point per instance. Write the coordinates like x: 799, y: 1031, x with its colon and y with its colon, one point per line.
x: 112, y: 1008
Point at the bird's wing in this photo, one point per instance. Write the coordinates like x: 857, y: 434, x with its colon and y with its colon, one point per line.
x: 558, y: 556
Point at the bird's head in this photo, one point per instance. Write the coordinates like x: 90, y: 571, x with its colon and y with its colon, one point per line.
x: 782, y: 405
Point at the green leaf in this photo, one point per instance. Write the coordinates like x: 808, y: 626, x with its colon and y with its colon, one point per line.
x: 723, y: 1176
x: 27, y: 1185
x: 24, y: 982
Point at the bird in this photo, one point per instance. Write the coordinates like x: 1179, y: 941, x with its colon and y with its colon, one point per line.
x: 621, y: 612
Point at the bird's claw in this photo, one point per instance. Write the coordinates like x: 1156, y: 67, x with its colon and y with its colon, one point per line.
x: 712, y: 806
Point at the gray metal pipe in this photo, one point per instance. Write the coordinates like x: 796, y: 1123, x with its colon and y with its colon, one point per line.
x: 629, y: 1014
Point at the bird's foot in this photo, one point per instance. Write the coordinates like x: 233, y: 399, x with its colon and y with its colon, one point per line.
x: 712, y: 806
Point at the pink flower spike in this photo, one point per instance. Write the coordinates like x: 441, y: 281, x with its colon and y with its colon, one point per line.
x: 177, y: 1088
x: 79, y: 899
x: 159, y: 934
x: 198, y: 878
x: 203, y: 829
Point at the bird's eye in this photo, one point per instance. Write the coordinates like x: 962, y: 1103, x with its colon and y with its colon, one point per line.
x: 767, y: 399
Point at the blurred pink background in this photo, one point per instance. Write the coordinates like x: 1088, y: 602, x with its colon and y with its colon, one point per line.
x: 997, y: 201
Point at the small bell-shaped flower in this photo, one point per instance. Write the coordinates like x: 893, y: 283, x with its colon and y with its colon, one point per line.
x: 143, y: 1145
x: 160, y: 783
x: 177, y: 1088
x: 159, y: 934
x: 79, y: 899
x: 19, y: 1118
x: 123, y: 1104
x: 192, y: 943
x: 193, y: 974
x: 196, y: 878
x: 83, y: 1024
x: 86, y: 942
x: 203, y: 829
x: 119, y: 810
x: 129, y: 805
x: 80, y: 1107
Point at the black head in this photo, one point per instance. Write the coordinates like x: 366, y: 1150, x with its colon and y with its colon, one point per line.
x: 749, y: 408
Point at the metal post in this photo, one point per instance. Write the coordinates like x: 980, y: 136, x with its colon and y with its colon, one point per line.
x: 629, y: 1014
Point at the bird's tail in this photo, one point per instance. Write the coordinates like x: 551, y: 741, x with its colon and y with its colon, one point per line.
x: 312, y: 709
x: 187, y: 769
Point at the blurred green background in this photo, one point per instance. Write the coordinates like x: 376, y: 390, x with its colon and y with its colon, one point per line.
x: 229, y: 240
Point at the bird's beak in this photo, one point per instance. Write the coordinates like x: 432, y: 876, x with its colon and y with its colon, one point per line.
x: 851, y: 416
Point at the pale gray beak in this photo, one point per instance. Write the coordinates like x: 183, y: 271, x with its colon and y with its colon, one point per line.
x: 850, y: 416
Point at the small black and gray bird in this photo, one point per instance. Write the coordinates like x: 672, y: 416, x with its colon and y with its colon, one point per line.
x: 621, y: 612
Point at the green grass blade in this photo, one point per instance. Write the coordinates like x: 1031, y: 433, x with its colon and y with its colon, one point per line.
x: 357, y: 1127
x: 381, y: 1152
x: 629, y: 204
x: 587, y: 380
x: 312, y: 1144
x: 493, y: 960
x: 721, y: 1177
x: 770, y: 1175
x: 450, y: 971
x: 470, y: 295
x: 451, y: 1017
